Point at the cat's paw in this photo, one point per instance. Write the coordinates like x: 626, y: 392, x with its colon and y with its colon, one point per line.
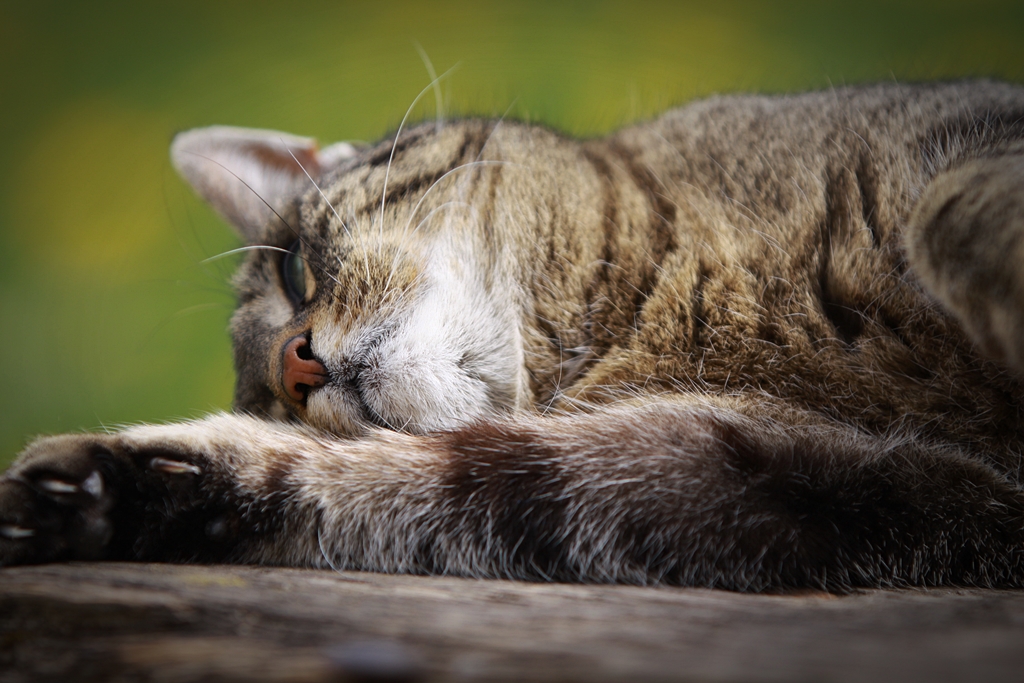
x: 55, y: 501
x: 87, y: 497
x: 95, y: 496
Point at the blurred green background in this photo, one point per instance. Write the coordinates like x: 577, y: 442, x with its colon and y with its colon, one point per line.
x: 107, y: 313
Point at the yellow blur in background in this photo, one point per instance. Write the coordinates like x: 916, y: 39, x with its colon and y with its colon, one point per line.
x: 108, y: 314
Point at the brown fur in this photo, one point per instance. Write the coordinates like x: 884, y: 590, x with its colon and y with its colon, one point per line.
x: 758, y: 342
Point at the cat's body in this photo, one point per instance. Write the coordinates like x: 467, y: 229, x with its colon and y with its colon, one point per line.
x: 737, y: 346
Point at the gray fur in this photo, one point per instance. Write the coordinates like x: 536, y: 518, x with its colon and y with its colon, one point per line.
x: 756, y: 343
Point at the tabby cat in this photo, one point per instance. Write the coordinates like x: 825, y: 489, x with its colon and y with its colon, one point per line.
x: 757, y: 343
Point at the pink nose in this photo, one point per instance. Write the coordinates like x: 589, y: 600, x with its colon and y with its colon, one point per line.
x: 302, y: 371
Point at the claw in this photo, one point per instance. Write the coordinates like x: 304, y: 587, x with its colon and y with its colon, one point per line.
x: 93, y: 485
x: 14, y: 531
x: 173, y: 466
x: 57, y: 486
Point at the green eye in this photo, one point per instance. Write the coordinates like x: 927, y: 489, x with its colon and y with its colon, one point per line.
x: 294, y: 270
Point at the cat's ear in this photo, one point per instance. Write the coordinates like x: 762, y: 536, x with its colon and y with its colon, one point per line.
x: 244, y: 173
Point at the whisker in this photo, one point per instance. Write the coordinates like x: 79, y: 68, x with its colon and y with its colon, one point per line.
x: 333, y: 210
x: 494, y: 128
x: 323, y: 553
x: 366, y: 280
x: 490, y: 135
x: 469, y: 164
x: 454, y: 202
x: 250, y: 188
x: 267, y: 247
x: 364, y: 247
x: 391, y: 276
x: 323, y: 264
x: 391, y: 273
x: 437, y: 85
x: 239, y: 250
x: 394, y: 145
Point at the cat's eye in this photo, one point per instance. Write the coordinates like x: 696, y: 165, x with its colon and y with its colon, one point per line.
x: 293, y: 270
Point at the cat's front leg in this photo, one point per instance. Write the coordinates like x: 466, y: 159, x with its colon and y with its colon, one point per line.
x: 196, y: 491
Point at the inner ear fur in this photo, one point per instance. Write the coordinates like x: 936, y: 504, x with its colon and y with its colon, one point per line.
x: 245, y: 173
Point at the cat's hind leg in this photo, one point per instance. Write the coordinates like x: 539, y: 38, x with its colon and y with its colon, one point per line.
x: 965, y: 241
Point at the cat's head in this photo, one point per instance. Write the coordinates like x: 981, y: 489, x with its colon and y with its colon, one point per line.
x: 359, y: 307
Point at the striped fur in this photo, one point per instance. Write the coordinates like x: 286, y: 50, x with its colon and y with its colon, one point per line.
x: 756, y: 343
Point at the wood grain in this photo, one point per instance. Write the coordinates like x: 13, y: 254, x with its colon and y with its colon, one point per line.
x: 168, y: 623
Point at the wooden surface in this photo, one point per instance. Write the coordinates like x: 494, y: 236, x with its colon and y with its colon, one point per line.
x: 138, y: 622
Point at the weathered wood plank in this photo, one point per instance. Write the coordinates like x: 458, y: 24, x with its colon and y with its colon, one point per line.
x: 130, y: 622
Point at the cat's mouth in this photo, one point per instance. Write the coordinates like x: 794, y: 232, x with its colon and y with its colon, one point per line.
x: 411, y: 374
x: 351, y: 380
x: 305, y: 378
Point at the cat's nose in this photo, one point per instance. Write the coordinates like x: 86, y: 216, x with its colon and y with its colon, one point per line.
x: 301, y: 370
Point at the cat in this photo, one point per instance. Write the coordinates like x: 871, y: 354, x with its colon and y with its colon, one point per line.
x: 757, y: 343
